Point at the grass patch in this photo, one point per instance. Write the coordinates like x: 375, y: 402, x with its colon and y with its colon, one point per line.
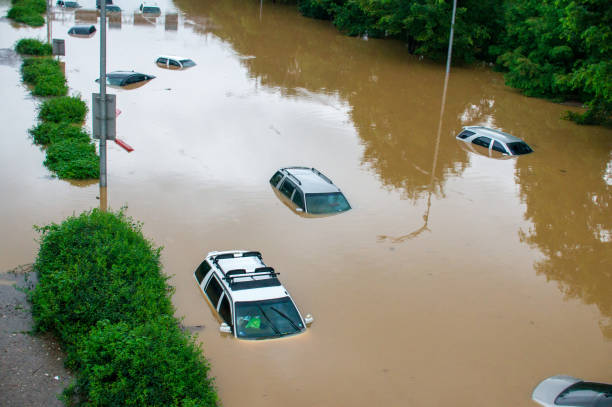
x: 63, y: 109
x: 45, y: 75
x: 32, y: 46
x: 102, y: 292
x: 28, y: 12
x: 73, y: 159
x: 49, y: 132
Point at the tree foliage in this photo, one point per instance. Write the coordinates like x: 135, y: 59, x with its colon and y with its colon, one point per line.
x: 557, y: 49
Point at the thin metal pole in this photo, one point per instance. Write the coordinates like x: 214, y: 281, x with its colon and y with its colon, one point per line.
x: 48, y: 21
x: 103, y: 93
x: 450, y: 39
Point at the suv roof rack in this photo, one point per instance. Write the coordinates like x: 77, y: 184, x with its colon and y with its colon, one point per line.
x: 231, y: 275
x: 320, y: 174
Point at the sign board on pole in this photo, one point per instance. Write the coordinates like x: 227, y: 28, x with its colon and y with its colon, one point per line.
x: 59, y: 47
x: 111, y: 114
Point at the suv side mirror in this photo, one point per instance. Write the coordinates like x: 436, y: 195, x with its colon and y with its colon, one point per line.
x: 308, y: 319
x: 225, y: 328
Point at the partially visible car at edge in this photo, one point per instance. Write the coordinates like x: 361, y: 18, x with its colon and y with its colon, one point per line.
x: 495, y: 140
x: 569, y: 391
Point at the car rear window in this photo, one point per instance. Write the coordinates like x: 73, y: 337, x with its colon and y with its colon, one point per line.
x: 465, y: 134
x: 519, y: 147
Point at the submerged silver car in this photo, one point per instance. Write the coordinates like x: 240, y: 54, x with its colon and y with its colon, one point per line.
x: 571, y: 392
x: 309, y: 191
x: 494, y: 140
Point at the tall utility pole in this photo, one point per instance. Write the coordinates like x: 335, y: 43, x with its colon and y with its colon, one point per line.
x: 103, y: 93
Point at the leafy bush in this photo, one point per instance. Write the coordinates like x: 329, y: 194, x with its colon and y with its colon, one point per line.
x: 93, y: 267
x: 49, y: 132
x: 73, y: 159
x: 102, y: 292
x: 153, y: 364
x: 70, y: 109
x: 46, y: 75
x: 28, y: 12
x: 32, y: 46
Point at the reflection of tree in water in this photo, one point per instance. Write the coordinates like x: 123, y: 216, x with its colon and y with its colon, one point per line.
x: 394, y: 99
x: 571, y: 224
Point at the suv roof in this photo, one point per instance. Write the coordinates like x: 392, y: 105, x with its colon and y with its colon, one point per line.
x: 494, y: 134
x: 246, y: 276
x: 310, y: 180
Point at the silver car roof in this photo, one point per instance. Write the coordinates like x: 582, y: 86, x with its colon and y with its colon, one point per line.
x: 310, y: 180
x: 494, y: 134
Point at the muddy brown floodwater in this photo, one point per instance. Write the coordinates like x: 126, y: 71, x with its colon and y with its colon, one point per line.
x: 456, y: 279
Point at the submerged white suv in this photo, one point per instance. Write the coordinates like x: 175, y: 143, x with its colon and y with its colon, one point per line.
x: 309, y: 191
x: 248, y: 297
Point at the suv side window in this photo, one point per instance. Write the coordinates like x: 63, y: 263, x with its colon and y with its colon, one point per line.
x: 497, y: 146
x: 298, y: 198
x: 482, y: 141
x: 224, y: 310
x: 214, y: 290
x: 162, y: 61
x: 201, y: 271
x: 172, y: 62
x: 287, y: 188
x: 276, y: 178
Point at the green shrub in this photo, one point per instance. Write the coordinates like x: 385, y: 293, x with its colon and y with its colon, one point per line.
x: 102, y: 292
x: 96, y: 266
x: 73, y: 159
x: 28, y: 12
x: 49, y: 132
x: 154, y: 364
x: 32, y: 46
x: 70, y: 109
x: 45, y: 75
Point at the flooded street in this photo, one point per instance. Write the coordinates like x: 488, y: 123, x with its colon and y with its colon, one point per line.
x: 457, y: 279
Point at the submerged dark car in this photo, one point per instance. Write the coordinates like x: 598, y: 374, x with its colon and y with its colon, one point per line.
x: 68, y: 4
x: 124, y: 78
x: 82, y: 30
x: 108, y: 2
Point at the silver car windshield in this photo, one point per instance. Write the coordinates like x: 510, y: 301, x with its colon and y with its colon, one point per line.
x: 267, y: 319
x: 326, y: 203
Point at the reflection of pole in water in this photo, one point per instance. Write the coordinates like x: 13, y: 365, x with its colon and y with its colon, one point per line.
x: 103, y: 199
x: 260, y: 9
x: 437, y: 147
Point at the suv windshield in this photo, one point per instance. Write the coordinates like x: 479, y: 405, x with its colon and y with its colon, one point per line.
x: 187, y: 63
x: 518, y: 148
x: 267, y: 319
x: 326, y: 203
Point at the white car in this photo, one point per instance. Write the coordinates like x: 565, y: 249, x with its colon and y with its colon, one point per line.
x: 309, y: 191
x: 494, y: 140
x: 571, y: 392
x: 248, y: 296
x: 174, y: 62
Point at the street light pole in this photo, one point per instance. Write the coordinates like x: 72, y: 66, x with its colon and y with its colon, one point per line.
x: 103, y: 93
